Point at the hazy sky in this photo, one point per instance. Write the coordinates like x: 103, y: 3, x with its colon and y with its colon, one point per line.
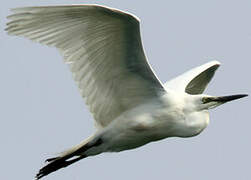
x: 42, y: 112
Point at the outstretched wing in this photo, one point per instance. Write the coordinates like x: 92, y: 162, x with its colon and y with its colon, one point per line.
x: 104, y: 50
x: 196, y: 80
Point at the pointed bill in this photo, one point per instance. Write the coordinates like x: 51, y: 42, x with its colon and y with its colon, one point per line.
x: 224, y: 99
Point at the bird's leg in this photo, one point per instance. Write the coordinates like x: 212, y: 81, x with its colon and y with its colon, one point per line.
x: 64, y: 161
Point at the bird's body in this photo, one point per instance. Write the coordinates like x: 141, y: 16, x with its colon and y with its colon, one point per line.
x: 131, y: 107
x: 152, y: 121
x: 168, y: 116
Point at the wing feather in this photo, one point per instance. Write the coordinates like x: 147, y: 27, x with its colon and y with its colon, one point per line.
x: 194, y: 81
x: 103, y: 49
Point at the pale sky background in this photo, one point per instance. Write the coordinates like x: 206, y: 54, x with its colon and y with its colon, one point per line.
x: 42, y: 112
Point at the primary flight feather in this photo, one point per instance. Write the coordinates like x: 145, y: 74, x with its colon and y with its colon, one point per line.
x: 131, y: 107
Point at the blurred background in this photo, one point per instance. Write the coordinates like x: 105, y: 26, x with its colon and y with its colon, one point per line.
x: 42, y: 113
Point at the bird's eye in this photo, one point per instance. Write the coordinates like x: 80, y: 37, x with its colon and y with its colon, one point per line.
x: 205, y: 100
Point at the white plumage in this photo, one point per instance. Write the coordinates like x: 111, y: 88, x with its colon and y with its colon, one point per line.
x: 130, y: 105
x: 103, y: 48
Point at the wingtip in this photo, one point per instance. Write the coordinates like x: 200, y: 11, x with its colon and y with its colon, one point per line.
x: 215, y: 62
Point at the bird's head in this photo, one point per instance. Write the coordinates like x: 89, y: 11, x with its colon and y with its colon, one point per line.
x: 194, y: 82
x: 209, y: 102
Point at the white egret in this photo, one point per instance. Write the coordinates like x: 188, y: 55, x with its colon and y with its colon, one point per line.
x: 131, y: 107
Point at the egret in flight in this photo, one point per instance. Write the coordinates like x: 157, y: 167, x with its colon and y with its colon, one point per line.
x: 130, y: 105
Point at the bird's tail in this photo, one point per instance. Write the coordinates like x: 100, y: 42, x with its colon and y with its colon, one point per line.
x: 68, y: 157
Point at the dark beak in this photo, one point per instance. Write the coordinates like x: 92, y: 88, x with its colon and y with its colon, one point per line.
x: 224, y: 99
